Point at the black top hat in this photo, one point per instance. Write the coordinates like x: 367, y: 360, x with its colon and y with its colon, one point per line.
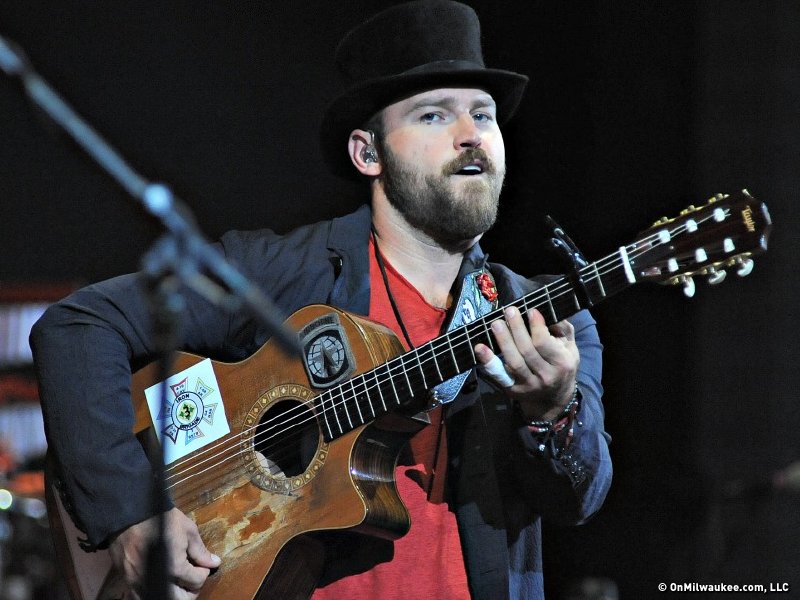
x: 404, y: 50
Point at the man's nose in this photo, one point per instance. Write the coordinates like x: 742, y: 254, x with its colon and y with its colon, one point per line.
x: 467, y: 134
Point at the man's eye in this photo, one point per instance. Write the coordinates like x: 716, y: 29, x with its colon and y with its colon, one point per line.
x: 482, y: 117
x: 430, y: 117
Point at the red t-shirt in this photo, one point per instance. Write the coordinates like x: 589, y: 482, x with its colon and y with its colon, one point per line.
x: 427, y: 561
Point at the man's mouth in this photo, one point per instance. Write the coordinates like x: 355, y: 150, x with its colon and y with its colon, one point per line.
x: 472, y: 162
x: 473, y: 168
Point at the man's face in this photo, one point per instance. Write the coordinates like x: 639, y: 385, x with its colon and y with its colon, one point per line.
x: 444, y: 162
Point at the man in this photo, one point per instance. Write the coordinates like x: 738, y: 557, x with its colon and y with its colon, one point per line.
x: 522, y: 439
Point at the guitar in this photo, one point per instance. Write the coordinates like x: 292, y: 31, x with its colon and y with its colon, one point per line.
x: 310, y: 445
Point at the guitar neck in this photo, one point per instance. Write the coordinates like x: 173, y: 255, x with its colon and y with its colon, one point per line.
x: 724, y: 233
x: 403, y: 382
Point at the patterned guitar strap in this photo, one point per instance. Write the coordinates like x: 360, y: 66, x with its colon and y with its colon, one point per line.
x: 478, y: 297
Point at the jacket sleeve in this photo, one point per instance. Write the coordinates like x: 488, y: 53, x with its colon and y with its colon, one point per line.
x: 84, y: 349
x: 570, y: 485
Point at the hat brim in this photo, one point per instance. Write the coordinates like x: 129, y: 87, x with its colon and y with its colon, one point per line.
x: 359, y: 103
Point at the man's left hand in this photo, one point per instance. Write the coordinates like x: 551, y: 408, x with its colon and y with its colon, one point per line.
x: 541, y: 361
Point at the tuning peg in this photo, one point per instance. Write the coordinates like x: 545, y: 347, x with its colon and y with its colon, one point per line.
x: 688, y: 285
x: 688, y: 210
x: 661, y: 221
x: 745, y: 266
x: 714, y: 276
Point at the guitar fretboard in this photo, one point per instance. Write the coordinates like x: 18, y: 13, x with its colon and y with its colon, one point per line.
x: 404, y: 381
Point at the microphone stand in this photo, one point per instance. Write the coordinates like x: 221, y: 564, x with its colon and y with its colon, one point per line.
x: 180, y: 257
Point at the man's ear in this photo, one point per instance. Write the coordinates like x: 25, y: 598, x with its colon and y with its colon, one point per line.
x: 364, y: 153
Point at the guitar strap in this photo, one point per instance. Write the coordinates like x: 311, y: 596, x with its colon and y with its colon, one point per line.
x: 477, y: 298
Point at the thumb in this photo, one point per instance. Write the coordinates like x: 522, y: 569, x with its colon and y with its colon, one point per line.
x: 200, y: 555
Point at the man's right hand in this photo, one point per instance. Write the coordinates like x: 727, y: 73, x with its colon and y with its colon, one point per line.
x: 188, y: 560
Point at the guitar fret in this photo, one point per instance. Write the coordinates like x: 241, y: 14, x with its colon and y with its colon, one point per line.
x: 450, y: 366
x: 487, y: 332
x: 471, y: 351
x: 335, y: 407
x: 452, y: 353
x: 408, y: 381
x: 324, y: 412
x: 394, y: 387
x: 436, y: 364
x: 355, y: 401
x: 341, y: 408
x: 364, y: 397
x: 421, y: 369
x: 550, y: 303
x: 367, y: 397
x: 347, y: 412
x: 380, y: 392
x: 623, y: 253
x: 597, y: 288
x: 367, y: 394
x: 599, y: 280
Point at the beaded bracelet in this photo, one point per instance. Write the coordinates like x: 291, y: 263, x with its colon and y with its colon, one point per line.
x: 548, y: 431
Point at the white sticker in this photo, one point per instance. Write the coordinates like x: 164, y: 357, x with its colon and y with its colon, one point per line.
x: 194, y: 415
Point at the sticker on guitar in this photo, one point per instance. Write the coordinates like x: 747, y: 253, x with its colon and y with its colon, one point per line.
x: 194, y: 415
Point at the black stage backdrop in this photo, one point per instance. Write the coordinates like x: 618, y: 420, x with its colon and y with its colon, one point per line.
x: 636, y: 109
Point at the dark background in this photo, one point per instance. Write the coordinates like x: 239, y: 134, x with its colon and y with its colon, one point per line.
x: 636, y: 109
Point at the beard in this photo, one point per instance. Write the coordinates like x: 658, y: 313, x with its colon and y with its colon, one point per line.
x: 449, y: 212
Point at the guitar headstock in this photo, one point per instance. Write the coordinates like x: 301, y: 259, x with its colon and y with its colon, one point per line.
x: 724, y: 233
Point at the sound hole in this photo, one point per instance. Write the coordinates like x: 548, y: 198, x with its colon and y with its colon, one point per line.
x: 287, y: 438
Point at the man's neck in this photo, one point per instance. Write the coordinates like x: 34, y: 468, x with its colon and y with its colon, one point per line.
x: 428, y: 266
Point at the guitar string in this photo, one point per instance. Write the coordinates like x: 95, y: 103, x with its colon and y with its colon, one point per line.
x: 433, y: 357
x: 608, y: 265
x: 393, y: 367
x: 402, y: 366
x: 299, y: 431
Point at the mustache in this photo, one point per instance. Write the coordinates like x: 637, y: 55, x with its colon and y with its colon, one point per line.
x: 468, y: 157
